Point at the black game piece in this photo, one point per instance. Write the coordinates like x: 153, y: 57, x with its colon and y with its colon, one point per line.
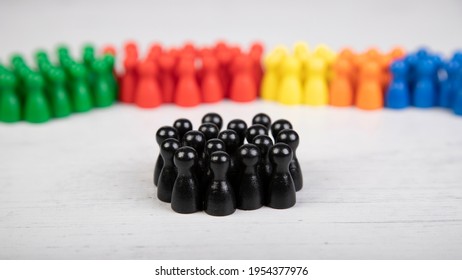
x: 254, y: 130
x: 281, y: 188
x: 162, y: 133
x: 168, y: 174
x: 213, y: 118
x: 262, y: 119
x: 231, y: 140
x: 182, y: 126
x: 264, y: 167
x: 291, y: 138
x: 251, y: 193
x: 210, y: 130
x: 196, y: 139
x: 186, y: 197
x: 220, y: 199
x: 213, y: 145
x: 278, y: 126
x: 240, y: 127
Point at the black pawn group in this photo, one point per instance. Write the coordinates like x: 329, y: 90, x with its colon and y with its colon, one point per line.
x: 216, y: 171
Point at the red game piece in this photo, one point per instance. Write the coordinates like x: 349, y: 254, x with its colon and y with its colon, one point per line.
x: 131, y: 49
x: 256, y: 52
x: 243, y: 87
x: 187, y: 92
x: 212, y: 90
x: 166, y: 76
x: 148, y: 93
x: 128, y: 80
x: 155, y: 52
x: 224, y: 57
x: 109, y: 49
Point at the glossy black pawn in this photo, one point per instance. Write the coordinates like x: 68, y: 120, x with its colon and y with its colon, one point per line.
x: 262, y: 119
x: 162, y: 134
x: 168, y: 173
x: 291, y: 138
x: 281, y: 189
x: 186, y: 196
x: 255, y: 130
x: 210, y: 130
x: 213, y: 118
x: 212, y: 145
x: 251, y: 191
x: 220, y: 199
x: 231, y: 140
x: 196, y: 139
x: 264, y: 167
x: 278, y: 126
x: 240, y: 127
x: 182, y: 126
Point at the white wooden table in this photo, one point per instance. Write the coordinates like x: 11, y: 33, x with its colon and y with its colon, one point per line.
x: 378, y: 185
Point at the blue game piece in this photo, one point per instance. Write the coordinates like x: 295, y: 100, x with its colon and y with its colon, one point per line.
x: 457, y: 103
x: 448, y: 86
x: 424, y: 91
x: 397, y: 96
x: 422, y: 53
x: 411, y: 60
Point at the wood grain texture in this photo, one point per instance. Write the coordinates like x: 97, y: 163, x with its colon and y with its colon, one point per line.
x: 378, y: 185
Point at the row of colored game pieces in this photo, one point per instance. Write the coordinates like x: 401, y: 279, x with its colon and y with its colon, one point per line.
x: 190, y: 75
x: 56, y: 89
x: 369, y: 80
x: 212, y: 170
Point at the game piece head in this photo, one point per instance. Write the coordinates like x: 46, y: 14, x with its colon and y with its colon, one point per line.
x: 291, y: 65
x: 257, y: 47
x: 263, y: 119
x: 425, y: 67
x: 452, y: 67
x: 347, y: 53
x: 280, y: 154
x: 147, y: 68
x: 249, y: 154
x: 240, y: 127
x: 422, y: 52
x: 254, y: 130
x: 457, y: 56
x: 219, y: 163
x: 182, y: 126
x: 289, y: 137
x: 166, y: 61
x: 109, y: 50
x: 214, y: 145
x: 7, y: 80
x: 186, y: 66
x: 301, y: 49
x: 397, y: 53
x: 213, y: 118
x: 195, y: 139
x: 317, y: 66
x: 185, y: 158
x: 168, y: 148
x: 278, y: 126
x: 210, y: 63
x: 166, y: 132
x: 230, y: 138
x: 370, y: 70
x: 109, y: 59
x: 210, y: 130
x: 372, y: 53
x: 399, y: 67
x: 263, y: 142
x: 242, y: 62
x: 272, y: 61
x: 57, y: 75
x: 99, y: 66
x: 342, y: 67
x: 34, y: 80
x: 78, y: 71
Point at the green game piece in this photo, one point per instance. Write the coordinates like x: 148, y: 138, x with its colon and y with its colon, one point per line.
x: 36, y: 108
x: 88, y: 58
x: 80, y: 94
x: 10, y: 106
x: 102, y: 88
x: 59, y: 99
x: 110, y: 61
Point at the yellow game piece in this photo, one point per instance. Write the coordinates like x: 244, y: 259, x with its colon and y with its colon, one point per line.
x: 270, y: 81
x: 329, y: 57
x: 302, y: 54
x: 315, y: 91
x: 290, y: 88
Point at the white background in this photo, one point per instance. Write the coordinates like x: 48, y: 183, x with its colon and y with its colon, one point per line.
x: 379, y: 185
